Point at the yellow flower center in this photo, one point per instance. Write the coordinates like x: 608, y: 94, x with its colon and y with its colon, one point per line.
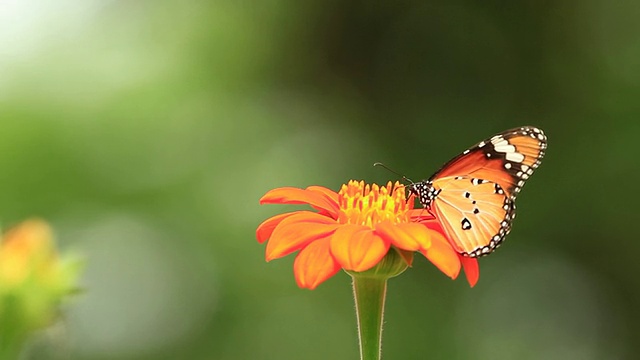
x: 371, y: 204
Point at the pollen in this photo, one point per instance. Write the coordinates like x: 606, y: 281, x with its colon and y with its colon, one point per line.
x: 368, y: 205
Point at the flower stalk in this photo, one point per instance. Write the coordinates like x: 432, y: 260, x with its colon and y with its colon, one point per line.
x: 10, y: 348
x: 369, y: 294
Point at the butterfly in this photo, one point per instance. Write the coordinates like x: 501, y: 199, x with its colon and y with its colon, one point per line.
x: 473, y: 195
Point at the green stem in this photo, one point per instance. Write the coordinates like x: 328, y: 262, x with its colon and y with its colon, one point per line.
x: 369, y: 293
x: 10, y: 351
x: 12, y: 334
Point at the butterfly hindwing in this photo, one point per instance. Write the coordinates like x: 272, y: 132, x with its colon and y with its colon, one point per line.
x: 476, y: 210
x: 473, y: 195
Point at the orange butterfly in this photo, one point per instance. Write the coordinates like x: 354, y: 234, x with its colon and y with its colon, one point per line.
x: 473, y: 195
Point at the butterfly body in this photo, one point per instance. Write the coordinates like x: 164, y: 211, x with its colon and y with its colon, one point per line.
x: 473, y: 195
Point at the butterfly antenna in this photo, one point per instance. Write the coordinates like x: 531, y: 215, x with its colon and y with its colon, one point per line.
x: 393, y: 171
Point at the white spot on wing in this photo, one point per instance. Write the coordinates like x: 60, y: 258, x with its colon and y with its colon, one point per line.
x: 499, y: 142
x: 515, y: 157
x: 505, y: 148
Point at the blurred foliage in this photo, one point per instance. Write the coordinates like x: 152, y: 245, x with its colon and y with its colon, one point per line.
x: 146, y: 131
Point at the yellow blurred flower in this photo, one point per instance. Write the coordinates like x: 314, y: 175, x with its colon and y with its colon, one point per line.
x: 27, y: 251
x: 34, y: 280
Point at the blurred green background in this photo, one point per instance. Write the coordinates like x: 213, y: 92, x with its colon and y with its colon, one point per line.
x: 146, y: 132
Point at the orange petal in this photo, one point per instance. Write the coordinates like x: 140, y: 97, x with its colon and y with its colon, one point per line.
x: 442, y: 255
x: 291, y: 195
x: 471, y: 269
x: 264, y: 231
x: 314, y: 264
x: 296, y: 231
x: 327, y: 192
x: 420, y: 215
x: 433, y: 224
x: 357, y: 247
x: 407, y: 236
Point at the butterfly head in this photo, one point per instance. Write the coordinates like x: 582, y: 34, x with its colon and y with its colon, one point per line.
x: 424, y: 191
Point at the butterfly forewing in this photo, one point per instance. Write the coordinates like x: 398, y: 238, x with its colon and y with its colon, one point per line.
x: 473, y: 195
x: 507, y: 158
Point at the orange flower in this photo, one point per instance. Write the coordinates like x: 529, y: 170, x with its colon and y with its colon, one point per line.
x: 352, y: 230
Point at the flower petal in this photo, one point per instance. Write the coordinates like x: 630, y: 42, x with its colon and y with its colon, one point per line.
x: 421, y: 215
x: 291, y: 195
x: 471, y: 269
x: 296, y: 231
x: 407, y: 236
x: 327, y: 192
x: 357, y: 247
x: 442, y: 255
x: 264, y: 231
x: 314, y: 264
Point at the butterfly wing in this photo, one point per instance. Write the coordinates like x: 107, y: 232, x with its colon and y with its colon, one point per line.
x: 476, y: 214
x: 473, y: 195
x: 508, y: 158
